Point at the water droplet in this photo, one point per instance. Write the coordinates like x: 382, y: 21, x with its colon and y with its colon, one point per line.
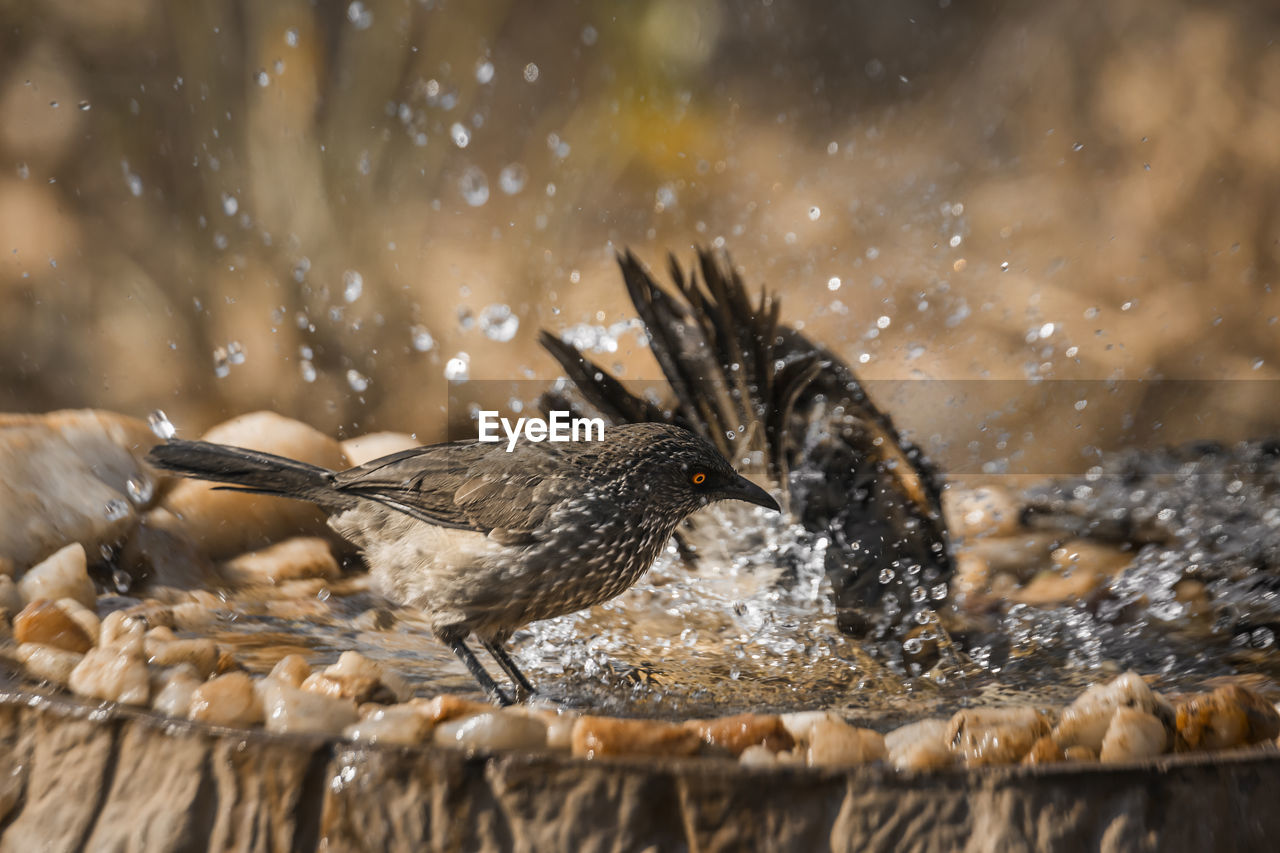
x: 140, y: 489
x: 422, y: 340
x: 235, y: 353
x: 887, y: 575
x: 1080, y: 405
x: 221, y: 366
x: 352, y: 285
x: 512, y: 178
x: 474, y: 186
x: 261, y: 79
x: 460, y: 135
x: 291, y: 37
x: 1079, y: 146
x: 589, y: 35
x: 85, y: 106
x: 883, y: 321
x: 956, y: 240
x: 484, y: 72
x: 833, y: 283
x: 359, y: 15
x: 872, y: 253
x: 308, y: 370
x: 229, y: 204
x: 116, y: 509
x: 815, y: 213
x: 531, y: 73
x: 357, y: 380
x: 457, y: 367
x: 1046, y: 331
x: 1257, y: 364
x: 498, y: 323
x: 161, y: 425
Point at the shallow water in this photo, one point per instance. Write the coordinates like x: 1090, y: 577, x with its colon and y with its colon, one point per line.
x: 749, y: 626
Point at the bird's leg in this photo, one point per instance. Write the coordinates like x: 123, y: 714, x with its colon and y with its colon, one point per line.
x: 478, y: 672
x: 523, y: 688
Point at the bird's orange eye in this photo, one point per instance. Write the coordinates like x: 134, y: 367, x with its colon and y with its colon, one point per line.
x: 699, y: 478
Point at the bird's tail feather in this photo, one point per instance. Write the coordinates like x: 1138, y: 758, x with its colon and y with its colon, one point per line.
x: 247, y: 470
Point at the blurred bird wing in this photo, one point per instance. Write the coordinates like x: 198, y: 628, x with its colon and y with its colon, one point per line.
x: 466, y: 485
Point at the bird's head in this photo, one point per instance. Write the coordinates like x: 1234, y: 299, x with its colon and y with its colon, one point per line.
x: 682, y: 472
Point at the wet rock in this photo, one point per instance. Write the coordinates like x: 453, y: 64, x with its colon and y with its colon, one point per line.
x: 293, y: 710
x: 62, y: 575
x: 202, y: 655
x: 738, y: 732
x: 402, y: 724
x: 114, y: 674
x: 446, y: 706
x: 758, y: 756
x: 69, y: 476
x: 83, y: 616
x: 920, y: 745
x: 1044, y: 751
x: 227, y: 523
x: 1079, y: 753
x: 120, y: 630
x: 228, y: 700
x: 834, y: 743
x: 356, y: 677
x: 173, y: 690
x: 375, y: 445
x: 1132, y: 735
x: 46, y: 623
x: 46, y: 663
x: 983, y: 736
x: 494, y: 730
x: 799, y: 724
x: 984, y: 511
x: 291, y: 669
x: 1230, y: 716
x: 1085, y: 721
x: 292, y: 559
x: 594, y: 737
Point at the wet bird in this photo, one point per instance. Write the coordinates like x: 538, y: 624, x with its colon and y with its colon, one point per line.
x: 484, y: 541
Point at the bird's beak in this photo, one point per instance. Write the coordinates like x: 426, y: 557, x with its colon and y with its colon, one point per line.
x: 744, y: 490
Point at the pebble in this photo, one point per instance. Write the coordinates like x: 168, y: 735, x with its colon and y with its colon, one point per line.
x: 123, y: 631
x: 1044, y: 751
x: 291, y: 709
x: 446, y: 706
x: 291, y: 669
x: 47, y: 663
x: 921, y: 745
x: 356, y: 677
x: 1079, y: 753
x: 594, y: 737
x: 738, y: 732
x: 833, y: 742
x: 799, y: 724
x: 83, y: 616
x: 45, y: 623
x: 399, y: 724
x: 758, y: 755
x: 173, y: 690
x: 228, y: 700
x: 293, y: 559
x: 115, y: 674
x: 984, y: 511
x: 1228, y: 717
x: 202, y: 655
x: 1132, y: 735
x: 64, y: 574
x: 1085, y: 721
x: 494, y: 730
x: 982, y: 736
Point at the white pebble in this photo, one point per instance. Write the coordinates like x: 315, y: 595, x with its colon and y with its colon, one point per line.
x: 113, y: 674
x: 493, y: 731
x: 64, y: 574
x: 48, y: 663
x: 290, y: 709
x: 1133, y: 734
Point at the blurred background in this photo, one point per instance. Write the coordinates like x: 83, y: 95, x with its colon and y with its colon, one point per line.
x: 331, y: 209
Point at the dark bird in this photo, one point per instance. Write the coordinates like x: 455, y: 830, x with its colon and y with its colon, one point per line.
x: 485, y: 541
x: 847, y: 473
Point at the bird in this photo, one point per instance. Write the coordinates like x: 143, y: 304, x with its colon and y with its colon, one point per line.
x: 483, y: 540
x: 844, y: 470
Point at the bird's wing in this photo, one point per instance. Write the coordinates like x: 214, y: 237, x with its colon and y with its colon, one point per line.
x: 467, y: 485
